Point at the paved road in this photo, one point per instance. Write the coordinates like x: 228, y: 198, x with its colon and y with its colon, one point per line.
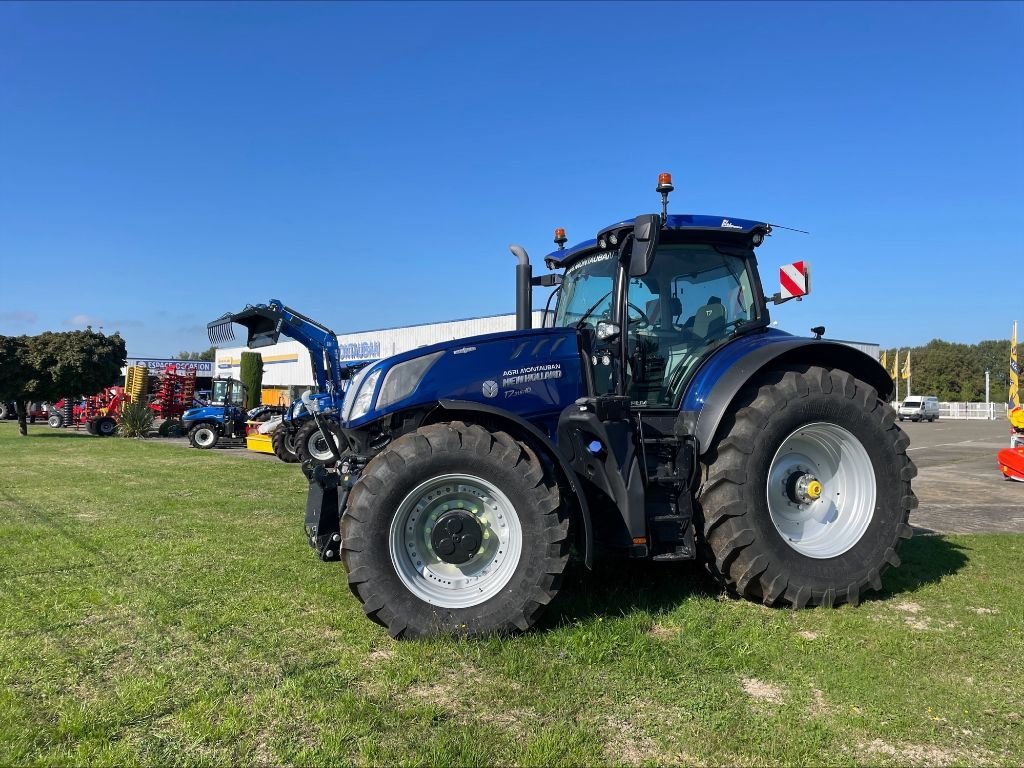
x: 958, y: 485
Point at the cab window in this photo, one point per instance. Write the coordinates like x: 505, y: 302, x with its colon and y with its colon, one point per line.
x: 693, y: 299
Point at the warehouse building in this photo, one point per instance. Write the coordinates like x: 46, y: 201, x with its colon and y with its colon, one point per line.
x: 287, y: 369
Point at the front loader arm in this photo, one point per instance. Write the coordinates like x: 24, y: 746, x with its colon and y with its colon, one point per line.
x: 266, y: 322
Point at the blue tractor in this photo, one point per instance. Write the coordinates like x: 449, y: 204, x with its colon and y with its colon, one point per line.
x: 223, y: 417
x: 661, y: 416
x: 298, y: 438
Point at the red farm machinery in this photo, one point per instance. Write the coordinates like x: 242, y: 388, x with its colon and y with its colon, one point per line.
x: 168, y: 395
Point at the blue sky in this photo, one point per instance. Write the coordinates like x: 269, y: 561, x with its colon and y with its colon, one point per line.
x: 368, y: 164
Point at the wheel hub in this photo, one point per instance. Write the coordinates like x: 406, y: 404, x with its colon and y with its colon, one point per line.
x: 803, y: 488
x: 456, y: 537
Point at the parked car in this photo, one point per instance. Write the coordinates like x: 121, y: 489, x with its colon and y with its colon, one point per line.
x: 919, y: 408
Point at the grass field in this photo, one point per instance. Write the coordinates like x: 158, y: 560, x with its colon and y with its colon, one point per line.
x: 160, y: 605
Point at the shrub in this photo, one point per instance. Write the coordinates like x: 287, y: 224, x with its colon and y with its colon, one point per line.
x: 171, y: 428
x: 136, y: 420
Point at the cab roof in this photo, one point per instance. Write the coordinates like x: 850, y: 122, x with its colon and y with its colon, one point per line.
x: 719, y: 227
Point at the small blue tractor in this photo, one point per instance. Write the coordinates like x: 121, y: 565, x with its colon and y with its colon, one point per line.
x: 661, y: 416
x: 223, y: 418
x: 298, y: 438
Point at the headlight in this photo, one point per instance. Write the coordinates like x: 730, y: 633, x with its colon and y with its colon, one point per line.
x: 363, y: 395
x: 404, y: 378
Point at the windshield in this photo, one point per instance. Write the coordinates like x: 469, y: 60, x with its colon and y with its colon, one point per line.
x: 692, y: 300
x: 586, y: 293
x: 220, y: 391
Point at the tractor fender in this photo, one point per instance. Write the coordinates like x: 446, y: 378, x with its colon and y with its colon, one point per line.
x: 521, y: 429
x: 703, y: 421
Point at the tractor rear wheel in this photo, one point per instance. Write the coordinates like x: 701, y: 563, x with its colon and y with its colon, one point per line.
x: 454, y: 529
x: 105, y: 426
x: 807, y: 491
x: 311, y: 445
x: 203, y: 436
x: 283, y: 443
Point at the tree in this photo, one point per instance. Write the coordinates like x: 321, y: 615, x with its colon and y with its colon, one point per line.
x: 208, y: 355
x: 50, y: 366
x: 251, y: 375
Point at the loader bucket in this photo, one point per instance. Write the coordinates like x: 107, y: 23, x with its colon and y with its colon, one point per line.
x: 262, y: 323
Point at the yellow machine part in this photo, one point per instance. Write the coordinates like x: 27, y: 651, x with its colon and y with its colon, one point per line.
x: 259, y: 443
x: 135, y: 382
x: 1016, y: 417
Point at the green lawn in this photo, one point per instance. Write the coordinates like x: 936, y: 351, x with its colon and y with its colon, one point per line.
x: 160, y: 605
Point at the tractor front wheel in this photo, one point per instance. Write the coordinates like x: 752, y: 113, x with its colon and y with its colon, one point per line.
x: 203, y: 436
x: 311, y: 445
x: 807, y: 491
x: 283, y: 443
x: 55, y: 420
x: 454, y: 529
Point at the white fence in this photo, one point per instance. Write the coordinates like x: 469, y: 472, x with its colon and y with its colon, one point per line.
x: 970, y: 410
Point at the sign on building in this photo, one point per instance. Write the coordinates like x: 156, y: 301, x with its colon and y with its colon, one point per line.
x: 201, y: 367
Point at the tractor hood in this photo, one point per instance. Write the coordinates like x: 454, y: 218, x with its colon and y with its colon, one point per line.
x: 532, y: 373
x: 204, y: 413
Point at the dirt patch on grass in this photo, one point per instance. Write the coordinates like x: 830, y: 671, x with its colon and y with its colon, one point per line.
x: 908, y: 607
x: 627, y: 744
x: 762, y: 691
x: 819, y: 706
x: 662, y: 632
x: 807, y: 634
x: 921, y: 754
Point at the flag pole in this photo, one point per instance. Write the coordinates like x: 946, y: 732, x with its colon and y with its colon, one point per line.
x: 896, y: 375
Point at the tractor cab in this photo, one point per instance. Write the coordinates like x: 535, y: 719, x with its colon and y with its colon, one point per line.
x: 227, y: 392
x: 662, y: 309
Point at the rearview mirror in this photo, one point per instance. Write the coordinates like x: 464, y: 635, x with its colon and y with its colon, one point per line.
x: 646, y: 232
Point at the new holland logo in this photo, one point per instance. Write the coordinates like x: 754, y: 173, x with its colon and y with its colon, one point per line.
x: 490, y: 388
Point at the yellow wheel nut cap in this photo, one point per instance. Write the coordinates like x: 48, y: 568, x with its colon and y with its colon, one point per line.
x: 814, y: 489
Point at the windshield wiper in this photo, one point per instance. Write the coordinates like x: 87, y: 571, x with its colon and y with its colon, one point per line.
x: 586, y: 315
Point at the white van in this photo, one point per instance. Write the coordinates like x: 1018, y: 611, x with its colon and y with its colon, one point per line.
x: 919, y: 408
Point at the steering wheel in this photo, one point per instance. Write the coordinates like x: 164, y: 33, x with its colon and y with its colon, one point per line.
x: 643, y: 316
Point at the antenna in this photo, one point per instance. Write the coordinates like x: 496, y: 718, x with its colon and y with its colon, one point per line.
x: 791, y: 229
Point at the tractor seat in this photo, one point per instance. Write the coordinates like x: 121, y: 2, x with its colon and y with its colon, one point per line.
x: 709, y: 320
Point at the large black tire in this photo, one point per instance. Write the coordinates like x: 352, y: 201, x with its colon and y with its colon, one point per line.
x: 55, y: 420
x: 495, y: 590
x: 5, y: 411
x: 283, y: 444
x: 104, y: 426
x: 203, y: 436
x: 748, y: 549
x: 310, y: 444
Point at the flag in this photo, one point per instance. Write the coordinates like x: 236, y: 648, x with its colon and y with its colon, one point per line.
x: 1014, y: 371
x: 905, y: 373
x: 885, y: 360
x: 895, y: 365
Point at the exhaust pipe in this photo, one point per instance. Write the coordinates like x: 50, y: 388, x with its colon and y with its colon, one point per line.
x: 524, y: 289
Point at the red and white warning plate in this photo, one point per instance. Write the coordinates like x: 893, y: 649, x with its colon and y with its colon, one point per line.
x: 794, y: 279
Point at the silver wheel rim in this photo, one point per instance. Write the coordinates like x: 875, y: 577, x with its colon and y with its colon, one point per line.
x: 834, y: 522
x: 204, y: 437
x: 106, y: 428
x: 443, y: 584
x: 318, y: 447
